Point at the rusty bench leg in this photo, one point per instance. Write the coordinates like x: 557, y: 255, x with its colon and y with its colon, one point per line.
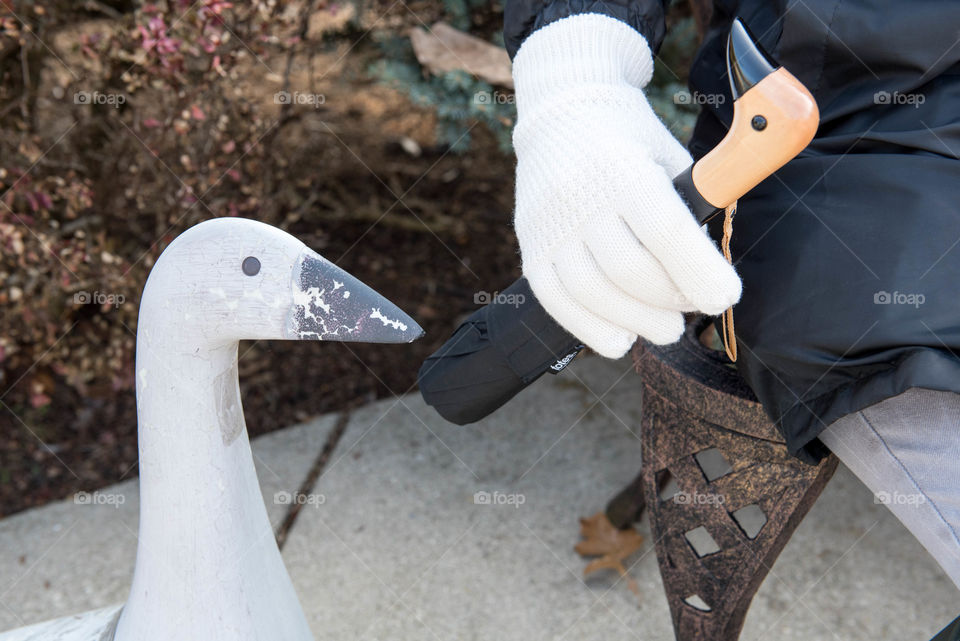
x: 723, y: 493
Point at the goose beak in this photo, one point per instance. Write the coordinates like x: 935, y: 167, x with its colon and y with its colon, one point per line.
x: 332, y: 305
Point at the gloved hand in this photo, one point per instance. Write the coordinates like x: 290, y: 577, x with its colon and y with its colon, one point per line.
x: 608, y: 246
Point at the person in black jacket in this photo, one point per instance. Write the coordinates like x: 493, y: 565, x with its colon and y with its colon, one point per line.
x: 849, y: 315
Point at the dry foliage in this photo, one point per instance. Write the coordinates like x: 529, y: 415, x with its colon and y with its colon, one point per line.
x: 122, y: 123
x: 611, y: 545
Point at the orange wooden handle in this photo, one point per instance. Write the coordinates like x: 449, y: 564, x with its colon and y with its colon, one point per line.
x: 753, y: 148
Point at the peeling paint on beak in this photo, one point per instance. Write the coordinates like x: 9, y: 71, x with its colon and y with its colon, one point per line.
x: 331, y: 305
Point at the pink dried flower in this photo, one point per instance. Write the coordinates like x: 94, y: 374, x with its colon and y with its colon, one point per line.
x: 155, y: 38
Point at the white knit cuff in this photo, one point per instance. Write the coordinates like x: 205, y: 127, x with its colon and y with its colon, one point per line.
x: 589, y: 48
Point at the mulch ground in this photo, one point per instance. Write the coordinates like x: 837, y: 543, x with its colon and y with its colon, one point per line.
x: 430, y: 270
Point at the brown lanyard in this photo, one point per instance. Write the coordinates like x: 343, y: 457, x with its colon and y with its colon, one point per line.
x: 728, y: 336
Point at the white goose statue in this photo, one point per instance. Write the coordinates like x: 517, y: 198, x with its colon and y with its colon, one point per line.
x: 208, y: 567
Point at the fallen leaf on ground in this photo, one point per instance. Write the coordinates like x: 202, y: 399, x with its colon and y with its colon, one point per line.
x: 443, y: 48
x: 602, y: 539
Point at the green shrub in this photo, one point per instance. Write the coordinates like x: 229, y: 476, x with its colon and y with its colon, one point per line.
x: 459, y: 99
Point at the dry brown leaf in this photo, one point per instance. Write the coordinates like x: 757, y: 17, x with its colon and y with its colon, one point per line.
x: 602, y: 539
x: 443, y: 48
x: 333, y: 19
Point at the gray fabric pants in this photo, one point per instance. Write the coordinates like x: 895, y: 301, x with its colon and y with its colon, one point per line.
x: 906, y: 450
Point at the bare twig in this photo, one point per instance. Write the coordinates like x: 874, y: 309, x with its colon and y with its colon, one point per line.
x: 7, y: 49
x: 308, y: 9
x: 25, y: 70
x: 99, y: 7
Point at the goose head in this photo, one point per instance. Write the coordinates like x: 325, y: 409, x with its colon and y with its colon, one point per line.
x: 230, y: 279
x: 207, y: 565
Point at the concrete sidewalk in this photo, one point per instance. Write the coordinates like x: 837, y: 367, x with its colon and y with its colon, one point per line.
x: 391, y: 543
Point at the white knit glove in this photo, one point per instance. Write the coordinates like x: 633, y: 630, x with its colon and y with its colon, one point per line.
x: 608, y: 246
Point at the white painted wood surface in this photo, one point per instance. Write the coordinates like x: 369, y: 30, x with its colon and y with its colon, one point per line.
x: 208, y: 567
x: 96, y: 625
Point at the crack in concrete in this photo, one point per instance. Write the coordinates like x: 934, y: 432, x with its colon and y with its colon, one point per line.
x: 315, y: 471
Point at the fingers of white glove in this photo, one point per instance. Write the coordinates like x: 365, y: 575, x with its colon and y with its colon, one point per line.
x: 631, y: 266
x: 689, y: 256
x: 581, y: 276
x: 669, y: 153
x: 664, y: 148
x: 601, y: 336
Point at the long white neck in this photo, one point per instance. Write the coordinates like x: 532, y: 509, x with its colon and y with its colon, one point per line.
x: 208, y: 566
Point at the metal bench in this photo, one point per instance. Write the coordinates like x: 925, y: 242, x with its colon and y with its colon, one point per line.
x: 723, y: 494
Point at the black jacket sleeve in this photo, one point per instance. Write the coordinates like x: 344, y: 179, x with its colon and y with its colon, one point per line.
x: 949, y: 633
x: 523, y: 17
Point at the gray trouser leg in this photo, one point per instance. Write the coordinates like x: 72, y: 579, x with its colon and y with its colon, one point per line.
x: 906, y: 449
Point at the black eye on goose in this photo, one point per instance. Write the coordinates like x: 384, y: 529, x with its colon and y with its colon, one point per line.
x: 251, y: 266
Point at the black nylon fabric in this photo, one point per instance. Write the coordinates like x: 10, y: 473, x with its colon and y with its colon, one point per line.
x: 949, y: 633
x: 495, y: 354
x: 523, y: 17
x: 838, y: 247
x: 849, y: 254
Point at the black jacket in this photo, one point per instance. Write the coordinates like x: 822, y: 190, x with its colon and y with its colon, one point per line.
x: 850, y: 254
